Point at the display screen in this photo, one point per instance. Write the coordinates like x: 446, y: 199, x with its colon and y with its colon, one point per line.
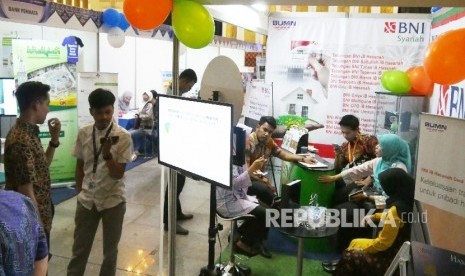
x: 195, y: 138
x: 8, y: 105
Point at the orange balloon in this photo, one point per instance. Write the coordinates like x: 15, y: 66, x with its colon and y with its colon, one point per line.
x: 147, y: 14
x: 420, y: 81
x: 445, y: 57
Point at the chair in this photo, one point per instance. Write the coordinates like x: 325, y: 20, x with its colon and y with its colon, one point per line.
x: 231, y: 267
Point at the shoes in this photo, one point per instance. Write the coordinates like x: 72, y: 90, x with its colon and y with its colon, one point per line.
x: 185, y: 216
x: 265, y: 252
x: 133, y: 157
x: 249, y: 253
x: 329, y: 266
x: 179, y: 229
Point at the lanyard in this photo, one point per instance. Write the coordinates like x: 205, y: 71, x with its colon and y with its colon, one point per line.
x: 94, y: 144
x: 352, y: 152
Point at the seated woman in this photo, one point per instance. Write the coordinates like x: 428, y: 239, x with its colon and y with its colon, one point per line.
x: 146, y: 123
x: 236, y: 202
x: 391, y: 152
x: 373, y: 256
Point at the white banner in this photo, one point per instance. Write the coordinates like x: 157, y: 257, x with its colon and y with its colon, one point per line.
x: 440, y: 180
x: 88, y: 82
x: 258, y: 100
x: 326, y: 67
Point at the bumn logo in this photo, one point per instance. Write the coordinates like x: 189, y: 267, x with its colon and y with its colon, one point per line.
x: 283, y: 24
x: 390, y: 27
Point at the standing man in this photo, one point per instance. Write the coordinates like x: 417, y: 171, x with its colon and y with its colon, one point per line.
x: 102, y: 150
x: 357, y: 149
x: 26, y: 163
x: 187, y: 79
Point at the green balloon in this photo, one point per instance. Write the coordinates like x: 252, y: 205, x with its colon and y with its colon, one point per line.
x: 396, y: 81
x: 192, y: 24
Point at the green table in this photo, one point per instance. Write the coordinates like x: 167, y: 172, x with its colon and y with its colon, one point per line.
x: 291, y: 171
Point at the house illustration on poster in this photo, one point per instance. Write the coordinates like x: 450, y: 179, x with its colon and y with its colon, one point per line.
x: 299, y: 102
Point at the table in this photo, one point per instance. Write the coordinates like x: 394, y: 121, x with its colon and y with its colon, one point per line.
x: 291, y: 171
x: 302, y: 233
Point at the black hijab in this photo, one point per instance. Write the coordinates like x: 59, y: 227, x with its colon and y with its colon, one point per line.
x: 400, y: 188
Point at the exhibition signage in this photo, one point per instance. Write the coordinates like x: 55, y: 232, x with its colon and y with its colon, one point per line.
x: 45, y: 61
x: 440, y: 180
x: 325, y: 66
x: 88, y: 82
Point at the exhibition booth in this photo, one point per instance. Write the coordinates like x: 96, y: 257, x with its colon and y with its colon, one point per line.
x: 318, y: 67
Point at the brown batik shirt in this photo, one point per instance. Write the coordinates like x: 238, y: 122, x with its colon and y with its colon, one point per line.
x: 26, y: 163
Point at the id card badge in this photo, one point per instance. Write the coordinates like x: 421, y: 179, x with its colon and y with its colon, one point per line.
x: 91, y: 184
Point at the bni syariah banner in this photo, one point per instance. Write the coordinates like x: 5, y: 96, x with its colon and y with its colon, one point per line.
x: 447, y: 100
x: 46, y: 61
x: 88, y: 82
x: 323, y: 67
x: 440, y: 180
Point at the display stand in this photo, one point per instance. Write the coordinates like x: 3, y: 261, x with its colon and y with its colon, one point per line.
x: 212, y: 230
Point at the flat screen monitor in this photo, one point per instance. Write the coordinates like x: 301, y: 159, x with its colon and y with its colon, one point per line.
x: 8, y: 105
x: 195, y: 138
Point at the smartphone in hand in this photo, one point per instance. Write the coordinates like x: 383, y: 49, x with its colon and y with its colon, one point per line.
x: 114, y: 140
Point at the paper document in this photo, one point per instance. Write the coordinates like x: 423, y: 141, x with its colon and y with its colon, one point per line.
x: 315, y: 165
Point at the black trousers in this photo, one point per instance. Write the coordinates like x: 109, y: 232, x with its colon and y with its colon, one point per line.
x: 254, y: 231
x: 181, y: 180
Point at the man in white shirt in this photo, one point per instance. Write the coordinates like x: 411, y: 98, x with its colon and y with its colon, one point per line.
x: 102, y: 150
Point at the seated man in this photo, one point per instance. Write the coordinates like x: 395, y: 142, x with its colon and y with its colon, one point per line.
x: 236, y: 202
x: 260, y: 144
x: 357, y: 149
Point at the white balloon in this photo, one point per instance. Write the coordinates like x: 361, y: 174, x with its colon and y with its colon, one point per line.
x: 116, y: 37
x: 182, y: 49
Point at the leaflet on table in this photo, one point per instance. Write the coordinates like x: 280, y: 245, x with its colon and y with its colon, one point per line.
x: 318, y: 164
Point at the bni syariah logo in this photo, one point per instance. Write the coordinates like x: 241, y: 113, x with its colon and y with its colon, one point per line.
x: 443, y: 100
x: 389, y: 27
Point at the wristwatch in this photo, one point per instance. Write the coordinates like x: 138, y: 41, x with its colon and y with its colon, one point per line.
x: 54, y: 145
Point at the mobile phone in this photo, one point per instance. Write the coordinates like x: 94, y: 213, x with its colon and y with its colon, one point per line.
x: 114, y: 140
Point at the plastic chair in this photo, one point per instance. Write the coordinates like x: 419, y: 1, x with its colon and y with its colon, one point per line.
x: 231, y: 267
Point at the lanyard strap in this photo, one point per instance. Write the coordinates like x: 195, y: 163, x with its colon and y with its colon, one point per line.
x: 94, y: 144
x: 352, y: 152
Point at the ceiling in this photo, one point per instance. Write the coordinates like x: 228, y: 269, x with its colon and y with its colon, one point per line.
x: 118, y: 4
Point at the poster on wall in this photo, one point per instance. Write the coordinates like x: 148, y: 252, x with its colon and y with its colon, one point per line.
x: 440, y: 180
x: 46, y: 61
x: 257, y: 103
x: 324, y: 67
x: 88, y: 82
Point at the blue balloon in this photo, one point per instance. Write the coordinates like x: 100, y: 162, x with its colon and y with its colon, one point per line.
x: 123, y: 23
x: 111, y: 18
x: 435, y: 9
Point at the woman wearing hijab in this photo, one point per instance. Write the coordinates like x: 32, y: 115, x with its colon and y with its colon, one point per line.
x: 391, y: 152
x: 124, y: 101
x: 146, y: 118
x: 373, y: 256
